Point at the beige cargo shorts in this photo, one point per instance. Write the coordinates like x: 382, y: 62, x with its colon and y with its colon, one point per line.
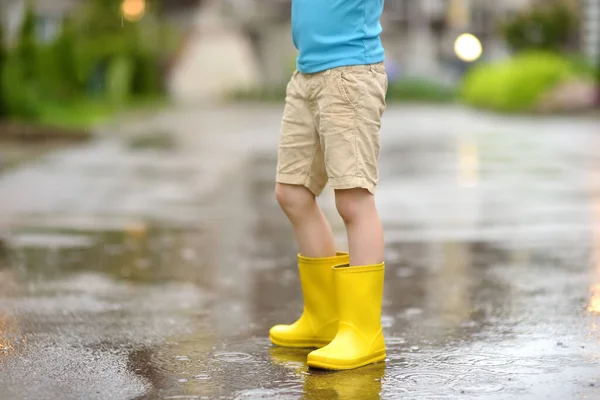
x: 330, y: 128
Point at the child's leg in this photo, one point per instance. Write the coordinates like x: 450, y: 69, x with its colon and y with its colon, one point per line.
x: 365, y: 234
x: 313, y: 233
x: 301, y: 176
x: 350, y: 107
x: 301, y: 173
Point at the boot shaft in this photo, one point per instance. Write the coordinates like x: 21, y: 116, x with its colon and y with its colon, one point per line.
x: 359, y: 295
x: 316, y: 278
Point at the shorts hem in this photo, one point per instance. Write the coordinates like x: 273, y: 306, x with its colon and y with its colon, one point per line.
x: 301, y: 180
x: 353, y: 182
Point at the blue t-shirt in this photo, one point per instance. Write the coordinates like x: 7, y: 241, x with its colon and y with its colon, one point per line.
x: 336, y: 33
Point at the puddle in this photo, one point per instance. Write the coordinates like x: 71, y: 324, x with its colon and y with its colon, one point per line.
x: 141, y: 252
x: 163, y: 141
x: 473, y: 383
x: 471, y: 309
x: 268, y: 394
x: 50, y: 241
x: 232, y: 357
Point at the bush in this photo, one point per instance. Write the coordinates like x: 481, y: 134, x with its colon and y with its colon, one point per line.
x: 19, y: 84
x: 146, y: 80
x: 64, y: 60
x: 97, y: 56
x: 106, y: 40
x: 550, y: 27
x: 20, y: 93
x: 517, y: 84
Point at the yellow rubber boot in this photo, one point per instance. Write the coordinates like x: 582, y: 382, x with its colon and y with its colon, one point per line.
x: 359, y: 340
x: 319, y: 322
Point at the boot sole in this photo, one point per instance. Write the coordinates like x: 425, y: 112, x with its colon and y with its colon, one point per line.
x: 347, y: 364
x: 300, y: 343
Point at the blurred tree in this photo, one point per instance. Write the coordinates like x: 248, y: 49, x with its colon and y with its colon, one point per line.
x: 551, y: 27
x: 26, y: 49
x: 63, y: 57
x: 118, y: 57
x: 98, y: 51
x: 2, y: 61
x: 19, y: 76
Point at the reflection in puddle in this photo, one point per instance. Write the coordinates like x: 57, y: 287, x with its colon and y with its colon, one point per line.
x: 464, y: 316
x: 137, y: 253
x: 363, y: 383
x: 232, y: 357
x: 468, y: 162
x: 594, y: 305
x: 51, y: 241
x: 594, y: 301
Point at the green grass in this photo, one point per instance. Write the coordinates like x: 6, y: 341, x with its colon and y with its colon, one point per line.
x: 80, y: 115
x: 87, y: 113
x: 72, y: 120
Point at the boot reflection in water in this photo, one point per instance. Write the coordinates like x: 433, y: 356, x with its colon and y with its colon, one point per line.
x: 359, y: 384
x: 292, y: 359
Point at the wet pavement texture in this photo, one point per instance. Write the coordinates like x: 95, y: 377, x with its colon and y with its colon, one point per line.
x: 133, y: 273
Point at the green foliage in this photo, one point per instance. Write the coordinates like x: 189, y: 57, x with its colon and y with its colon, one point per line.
x: 132, y: 60
x: 517, y: 84
x: 416, y: 90
x: 26, y: 49
x: 118, y: 82
x: 147, y: 78
x: 550, y: 27
x: 19, y: 86
x: 20, y: 94
x: 97, y: 55
x: 2, y: 64
x: 65, y: 62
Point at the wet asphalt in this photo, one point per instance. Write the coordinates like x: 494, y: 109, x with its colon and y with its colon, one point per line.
x: 155, y: 273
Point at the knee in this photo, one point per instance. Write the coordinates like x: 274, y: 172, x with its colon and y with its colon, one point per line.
x: 293, y: 199
x: 352, y: 203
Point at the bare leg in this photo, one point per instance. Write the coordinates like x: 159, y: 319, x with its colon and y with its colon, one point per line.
x: 365, y: 233
x: 313, y: 233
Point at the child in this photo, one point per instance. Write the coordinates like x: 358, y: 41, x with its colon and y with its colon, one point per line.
x: 330, y: 134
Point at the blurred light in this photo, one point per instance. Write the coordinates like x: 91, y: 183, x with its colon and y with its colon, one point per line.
x: 467, y: 47
x: 468, y: 162
x: 594, y: 301
x: 136, y: 230
x: 594, y: 305
x: 133, y: 10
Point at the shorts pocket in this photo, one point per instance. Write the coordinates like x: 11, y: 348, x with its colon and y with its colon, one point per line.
x: 350, y: 89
